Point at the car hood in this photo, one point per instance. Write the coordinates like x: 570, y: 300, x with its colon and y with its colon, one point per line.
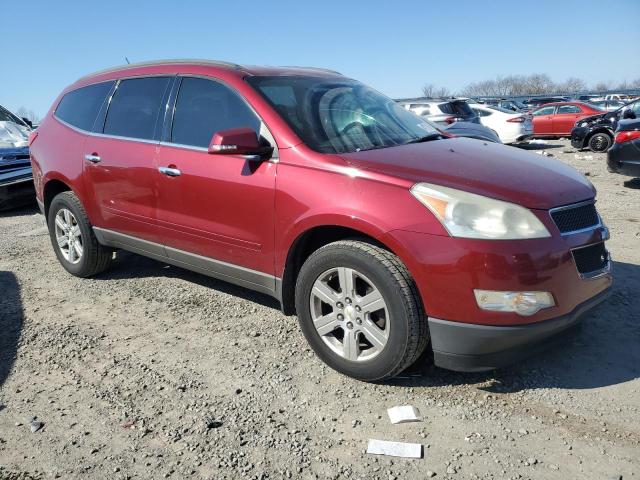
x: 490, y: 169
x: 472, y: 130
x: 13, y: 135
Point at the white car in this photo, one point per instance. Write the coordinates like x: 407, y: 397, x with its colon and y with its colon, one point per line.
x: 510, y: 126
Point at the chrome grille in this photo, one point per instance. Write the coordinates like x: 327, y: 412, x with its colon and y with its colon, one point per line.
x: 575, y: 217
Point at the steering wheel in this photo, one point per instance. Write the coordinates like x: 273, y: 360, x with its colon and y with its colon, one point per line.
x: 356, y: 123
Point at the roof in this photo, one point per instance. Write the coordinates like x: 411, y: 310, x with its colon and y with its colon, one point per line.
x: 248, y: 69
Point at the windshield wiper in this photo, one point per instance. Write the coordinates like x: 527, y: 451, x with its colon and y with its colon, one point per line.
x: 426, y: 138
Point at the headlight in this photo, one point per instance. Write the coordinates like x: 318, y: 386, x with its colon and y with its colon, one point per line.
x: 468, y: 215
x: 583, y: 124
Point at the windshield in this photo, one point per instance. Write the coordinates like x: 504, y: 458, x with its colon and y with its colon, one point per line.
x: 339, y: 115
x: 7, y: 116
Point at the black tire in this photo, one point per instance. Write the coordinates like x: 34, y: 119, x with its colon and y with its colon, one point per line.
x: 95, y: 258
x: 599, y: 142
x: 408, y: 335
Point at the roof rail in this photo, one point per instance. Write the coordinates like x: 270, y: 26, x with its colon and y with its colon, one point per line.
x: 326, y: 70
x: 179, y: 61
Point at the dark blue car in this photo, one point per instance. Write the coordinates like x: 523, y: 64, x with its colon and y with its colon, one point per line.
x: 16, y: 177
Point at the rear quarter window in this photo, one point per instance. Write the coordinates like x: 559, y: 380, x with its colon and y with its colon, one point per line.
x: 80, y: 107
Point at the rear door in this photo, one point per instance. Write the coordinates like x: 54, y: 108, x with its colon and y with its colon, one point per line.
x: 217, y: 206
x: 120, y: 161
x: 543, y: 120
x: 565, y: 118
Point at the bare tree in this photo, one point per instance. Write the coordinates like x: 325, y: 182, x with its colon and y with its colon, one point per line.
x: 521, y: 85
x: 603, y: 86
x: 573, y: 85
x: 30, y: 115
x: 432, y: 91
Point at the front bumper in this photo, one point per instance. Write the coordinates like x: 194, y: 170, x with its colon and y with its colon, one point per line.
x: 467, y: 347
x: 578, y: 136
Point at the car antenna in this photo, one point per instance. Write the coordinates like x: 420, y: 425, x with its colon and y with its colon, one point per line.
x: 128, y: 62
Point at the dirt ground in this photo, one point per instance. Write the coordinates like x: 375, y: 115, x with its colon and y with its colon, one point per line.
x: 150, y: 371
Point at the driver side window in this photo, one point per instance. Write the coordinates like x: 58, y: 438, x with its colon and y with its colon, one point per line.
x: 204, y: 107
x: 544, y: 111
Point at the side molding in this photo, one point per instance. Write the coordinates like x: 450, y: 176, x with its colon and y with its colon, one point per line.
x: 228, y: 272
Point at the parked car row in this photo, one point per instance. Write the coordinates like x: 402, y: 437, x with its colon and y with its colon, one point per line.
x: 383, y: 233
x: 596, y: 132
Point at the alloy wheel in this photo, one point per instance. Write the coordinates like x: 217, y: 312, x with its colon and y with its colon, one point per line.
x: 68, y: 236
x: 350, y: 314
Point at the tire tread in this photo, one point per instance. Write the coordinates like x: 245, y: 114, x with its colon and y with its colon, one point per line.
x: 99, y: 257
x: 418, y: 332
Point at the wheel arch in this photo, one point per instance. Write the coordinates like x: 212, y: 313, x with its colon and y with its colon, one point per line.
x: 52, y: 187
x: 595, y: 131
x: 314, y: 237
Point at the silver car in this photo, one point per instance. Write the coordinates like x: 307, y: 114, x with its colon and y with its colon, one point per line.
x: 442, y: 112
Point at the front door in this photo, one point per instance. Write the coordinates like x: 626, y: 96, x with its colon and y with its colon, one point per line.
x: 120, y: 162
x: 566, y: 118
x: 215, y: 212
x: 543, y: 120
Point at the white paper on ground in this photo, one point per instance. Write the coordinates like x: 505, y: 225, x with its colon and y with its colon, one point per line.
x: 395, y: 449
x: 405, y: 413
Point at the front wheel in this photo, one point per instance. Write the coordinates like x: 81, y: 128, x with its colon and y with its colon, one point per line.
x: 360, y: 311
x: 600, y: 142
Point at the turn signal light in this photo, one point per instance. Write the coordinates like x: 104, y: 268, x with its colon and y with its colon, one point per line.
x: 522, y: 303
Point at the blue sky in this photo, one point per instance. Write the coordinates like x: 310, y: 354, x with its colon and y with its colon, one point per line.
x: 395, y: 47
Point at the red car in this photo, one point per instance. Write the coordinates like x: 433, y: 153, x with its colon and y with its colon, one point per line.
x: 379, y: 232
x: 557, y: 119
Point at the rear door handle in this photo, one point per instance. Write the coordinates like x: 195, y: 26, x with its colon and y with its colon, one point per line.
x: 171, y: 172
x: 93, y: 158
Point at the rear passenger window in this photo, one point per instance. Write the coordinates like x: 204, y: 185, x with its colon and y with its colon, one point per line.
x: 205, y: 107
x: 80, y: 107
x: 135, y: 107
x: 569, y: 109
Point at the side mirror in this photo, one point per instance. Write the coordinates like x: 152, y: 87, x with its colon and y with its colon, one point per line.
x: 629, y: 114
x: 27, y: 121
x: 238, y: 141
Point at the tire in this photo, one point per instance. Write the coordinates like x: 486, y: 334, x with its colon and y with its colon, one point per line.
x: 94, y: 258
x: 599, y: 142
x: 375, y: 272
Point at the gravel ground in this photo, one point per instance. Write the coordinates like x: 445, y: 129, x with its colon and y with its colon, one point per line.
x: 150, y: 371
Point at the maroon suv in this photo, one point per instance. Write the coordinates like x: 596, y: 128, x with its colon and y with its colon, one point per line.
x: 382, y: 234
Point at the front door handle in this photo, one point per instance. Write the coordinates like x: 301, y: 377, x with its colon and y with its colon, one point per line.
x: 92, y: 157
x: 171, y: 172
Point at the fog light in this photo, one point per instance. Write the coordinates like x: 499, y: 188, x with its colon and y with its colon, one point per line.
x: 522, y: 303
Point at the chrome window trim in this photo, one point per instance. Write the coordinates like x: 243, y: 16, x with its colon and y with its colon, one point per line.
x: 275, y: 158
x: 103, y: 135
x: 572, y: 206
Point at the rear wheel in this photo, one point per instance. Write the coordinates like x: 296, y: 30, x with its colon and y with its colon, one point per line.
x: 599, y: 142
x: 73, y: 239
x: 360, y: 311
